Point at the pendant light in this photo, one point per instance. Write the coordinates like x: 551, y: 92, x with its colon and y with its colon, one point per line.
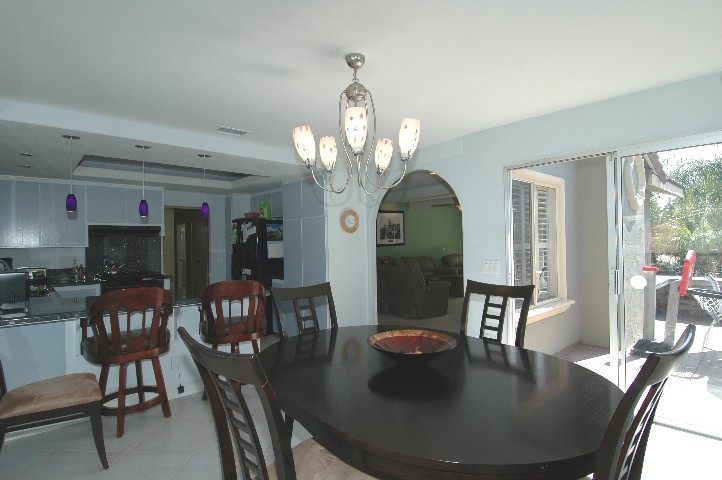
x: 71, y: 203
x: 205, y: 209
x: 143, y: 205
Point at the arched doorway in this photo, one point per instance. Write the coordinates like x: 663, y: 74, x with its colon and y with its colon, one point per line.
x: 419, y: 254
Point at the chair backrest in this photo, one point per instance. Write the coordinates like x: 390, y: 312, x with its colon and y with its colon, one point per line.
x: 144, y: 311
x: 305, y: 304
x: 244, y: 298
x: 223, y: 374
x: 496, y: 298
x: 622, y: 452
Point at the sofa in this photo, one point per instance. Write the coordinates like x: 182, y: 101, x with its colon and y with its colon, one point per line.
x: 409, y: 287
x: 453, y: 266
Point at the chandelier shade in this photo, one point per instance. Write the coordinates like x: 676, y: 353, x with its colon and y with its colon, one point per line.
x: 357, y: 123
x: 205, y: 210
x: 143, y: 208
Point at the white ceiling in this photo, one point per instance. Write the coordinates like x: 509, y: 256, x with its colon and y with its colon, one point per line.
x: 167, y: 73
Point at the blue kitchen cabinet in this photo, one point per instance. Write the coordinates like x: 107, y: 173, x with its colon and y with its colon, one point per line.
x: 58, y: 228
x: 20, y: 215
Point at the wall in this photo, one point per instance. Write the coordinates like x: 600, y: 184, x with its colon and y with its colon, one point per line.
x: 473, y: 165
x: 432, y: 232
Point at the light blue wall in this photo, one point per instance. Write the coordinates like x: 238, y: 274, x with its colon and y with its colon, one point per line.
x: 473, y: 165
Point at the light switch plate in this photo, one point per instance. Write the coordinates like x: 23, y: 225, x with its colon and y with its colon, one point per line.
x: 492, y: 266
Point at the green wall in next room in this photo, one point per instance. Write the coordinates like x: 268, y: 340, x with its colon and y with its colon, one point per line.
x: 433, y: 232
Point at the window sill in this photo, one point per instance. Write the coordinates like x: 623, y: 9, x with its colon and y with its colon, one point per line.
x: 548, y: 310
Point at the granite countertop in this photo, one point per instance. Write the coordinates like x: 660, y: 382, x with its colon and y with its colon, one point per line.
x: 52, y: 308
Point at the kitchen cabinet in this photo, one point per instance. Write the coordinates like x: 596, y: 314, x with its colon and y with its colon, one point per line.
x: 20, y: 214
x: 58, y: 228
x: 109, y: 205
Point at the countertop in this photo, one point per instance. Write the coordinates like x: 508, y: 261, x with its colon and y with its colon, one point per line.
x: 52, y: 308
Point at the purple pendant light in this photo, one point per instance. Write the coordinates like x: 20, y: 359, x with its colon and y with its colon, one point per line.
x: 205, y: 209
x: 71, y: 203
x: 143, y: 205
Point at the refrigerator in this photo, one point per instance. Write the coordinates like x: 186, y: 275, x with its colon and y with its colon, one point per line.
x: 257, y: 250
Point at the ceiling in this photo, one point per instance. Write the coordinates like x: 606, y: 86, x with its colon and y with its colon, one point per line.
x: 167, y: 73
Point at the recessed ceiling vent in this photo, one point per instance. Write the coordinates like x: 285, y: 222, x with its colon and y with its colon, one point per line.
x: 236, y: 132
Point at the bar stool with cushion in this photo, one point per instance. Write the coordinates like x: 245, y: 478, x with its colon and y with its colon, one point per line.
x: 233, y: 312
x: 305, y: 302
x: 496, y: 298
x: 54, y: 400
x: 223, y: 374
x: 129, y: 326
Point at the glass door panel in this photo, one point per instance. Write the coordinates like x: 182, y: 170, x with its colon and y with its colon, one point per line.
x: 671, y: 203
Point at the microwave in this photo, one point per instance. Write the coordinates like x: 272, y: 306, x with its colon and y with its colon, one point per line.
x: 14, y: 291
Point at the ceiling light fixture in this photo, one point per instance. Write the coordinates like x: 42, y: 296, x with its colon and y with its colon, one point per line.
x: 71, y: 203
x: 205, y: 209
x: 355, y: 117
x: 143, y: 205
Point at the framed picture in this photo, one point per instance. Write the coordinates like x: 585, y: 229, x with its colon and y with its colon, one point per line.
x: 390, y: 229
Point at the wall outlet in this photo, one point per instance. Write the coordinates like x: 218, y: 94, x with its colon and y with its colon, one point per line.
x: 491, y: 266
x: 175, y: 362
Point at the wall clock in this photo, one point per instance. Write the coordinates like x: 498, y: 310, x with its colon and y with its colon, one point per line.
x: 349, y: 221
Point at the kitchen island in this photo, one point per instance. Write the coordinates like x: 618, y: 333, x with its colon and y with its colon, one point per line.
x: 44, y: 342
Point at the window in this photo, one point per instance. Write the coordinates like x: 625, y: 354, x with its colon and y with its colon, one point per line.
x: 538, y: 234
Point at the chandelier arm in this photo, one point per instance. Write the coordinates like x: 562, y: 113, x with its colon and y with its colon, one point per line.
x: 330, y: 188
x: 404, y: 164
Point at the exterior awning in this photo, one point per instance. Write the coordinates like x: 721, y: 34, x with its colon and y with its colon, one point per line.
x: 658, y: 180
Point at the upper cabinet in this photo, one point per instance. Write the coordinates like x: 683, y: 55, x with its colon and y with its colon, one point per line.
x: 109, y: 205
x: 58, y: 228
x: 20, y: 214
x: 33, y: 213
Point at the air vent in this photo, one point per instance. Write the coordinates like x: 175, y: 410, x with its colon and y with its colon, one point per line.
x: 236, y: 132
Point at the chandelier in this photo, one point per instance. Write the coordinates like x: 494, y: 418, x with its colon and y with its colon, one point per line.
x: 355, y: 106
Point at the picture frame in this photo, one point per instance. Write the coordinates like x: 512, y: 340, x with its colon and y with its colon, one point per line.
x: 390, y: 229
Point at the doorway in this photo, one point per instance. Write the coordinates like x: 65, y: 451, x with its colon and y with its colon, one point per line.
x: 186, y: 250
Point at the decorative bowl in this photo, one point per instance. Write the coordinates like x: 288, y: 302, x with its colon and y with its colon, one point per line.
x: 412, y: 345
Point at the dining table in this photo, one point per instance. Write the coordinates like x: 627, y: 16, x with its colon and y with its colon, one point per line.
x: 480, y: 410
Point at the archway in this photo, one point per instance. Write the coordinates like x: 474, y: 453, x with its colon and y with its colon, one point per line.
x: 419, y: 254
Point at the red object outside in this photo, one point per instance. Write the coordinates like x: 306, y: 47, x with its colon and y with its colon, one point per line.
x: 649, y: 268
x: 687, y: 272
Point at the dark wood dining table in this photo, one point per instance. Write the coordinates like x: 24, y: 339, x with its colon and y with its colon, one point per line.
x: 481, y: 410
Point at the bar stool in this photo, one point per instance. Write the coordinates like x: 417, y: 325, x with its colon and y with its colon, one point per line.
x: 129, y: 326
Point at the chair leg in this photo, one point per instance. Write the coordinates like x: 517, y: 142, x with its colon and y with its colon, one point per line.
x: 104, y: 371
x: 160, y: 383
x: 139, y: 381
x: 120, y: 415
x: 97, y: 425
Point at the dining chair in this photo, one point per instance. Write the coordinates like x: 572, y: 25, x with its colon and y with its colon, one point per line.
x: 129, y: 326
x: 239, y: 446
x: 496, y: 299
x: 53, y: 400
x: 621, y: 455
x: 305, y: 305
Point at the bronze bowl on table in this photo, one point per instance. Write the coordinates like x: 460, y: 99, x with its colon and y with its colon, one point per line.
x: 412, y: 345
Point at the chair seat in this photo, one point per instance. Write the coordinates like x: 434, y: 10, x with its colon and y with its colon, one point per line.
x: 313, y: 461
x: 50, y: 394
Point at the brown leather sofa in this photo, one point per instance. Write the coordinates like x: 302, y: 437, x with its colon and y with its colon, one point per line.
x: 403, y: 288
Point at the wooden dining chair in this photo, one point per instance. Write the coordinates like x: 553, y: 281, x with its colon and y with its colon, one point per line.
x: 621, y: 455
x: 305, y: 305
x: 496, y: 299
x: 54, y: 400
x: 223, y: 374
x: 129, y: 326
x: 233, y: 312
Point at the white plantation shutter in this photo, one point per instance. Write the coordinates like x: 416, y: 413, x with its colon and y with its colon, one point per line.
x: 534, y: 233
